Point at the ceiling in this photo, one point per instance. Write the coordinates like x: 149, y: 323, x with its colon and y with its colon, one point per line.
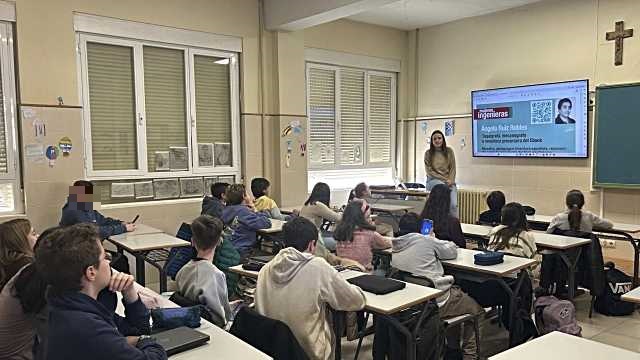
x: 414, y: 14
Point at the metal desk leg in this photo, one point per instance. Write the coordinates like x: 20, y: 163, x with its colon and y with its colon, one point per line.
x: 338, y: 316
x: 140, y: 275
x: 513, y: 296
x: 571, y: 267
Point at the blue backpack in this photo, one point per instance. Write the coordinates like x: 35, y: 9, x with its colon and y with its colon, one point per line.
x: 180, y: 256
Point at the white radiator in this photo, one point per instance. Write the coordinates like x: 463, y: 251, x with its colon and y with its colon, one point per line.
x: 470, y: 204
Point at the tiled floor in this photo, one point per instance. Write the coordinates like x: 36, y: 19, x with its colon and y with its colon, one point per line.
x: 623, y: 332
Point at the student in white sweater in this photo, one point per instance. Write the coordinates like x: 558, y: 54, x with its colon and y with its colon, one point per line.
x: 576, y: 219
x: 298, y: 289
x: 200, y: 280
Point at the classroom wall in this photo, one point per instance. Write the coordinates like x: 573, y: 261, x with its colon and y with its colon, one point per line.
x: 543, y: 42
x: 46, y: 59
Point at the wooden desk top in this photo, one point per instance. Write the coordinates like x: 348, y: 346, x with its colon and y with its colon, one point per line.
x: 276, y: 227
x: 409, y: 192
x: 628, y: 228
x: 141, y: 229
x: 386, y: 304
x: 557, y: 345
x: 390, y: 207
x: 632, y: 296
x: 511, y: 264
x: 543, y: 240
x: 146, y: 242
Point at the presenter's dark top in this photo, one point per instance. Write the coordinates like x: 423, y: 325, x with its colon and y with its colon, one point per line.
x: 560, y: 121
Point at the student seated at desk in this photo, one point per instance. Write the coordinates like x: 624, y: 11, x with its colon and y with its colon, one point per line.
x: 513, y: 236
x: 298, y: 288
x: 421, y: 256
x: 317, y: 209
x: 360, y: 192
x: 438, y: 209
x: 79, y: 209
x: 356, y: 236
x: 75, y: 265
x: 576, y: 219
x: 241, y: 217
x: 260, y: 190
x: 17, y: 239
x: 199, y: 280
x: 493, y: 216
x: 213, y: 205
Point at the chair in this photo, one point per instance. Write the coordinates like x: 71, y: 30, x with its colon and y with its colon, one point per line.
x: 273, y: 337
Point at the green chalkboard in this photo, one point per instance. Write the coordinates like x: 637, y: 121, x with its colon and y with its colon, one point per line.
x: 616, y: 162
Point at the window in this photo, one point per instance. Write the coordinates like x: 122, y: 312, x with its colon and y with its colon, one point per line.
x: 351, y: 123
x: 10, y: 193
x: 157, y: 110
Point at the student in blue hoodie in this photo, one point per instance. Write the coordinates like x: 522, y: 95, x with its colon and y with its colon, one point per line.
x: 79, y: 209
x: 244, y: 221
x: 75, y: 265
x: 214, y: 204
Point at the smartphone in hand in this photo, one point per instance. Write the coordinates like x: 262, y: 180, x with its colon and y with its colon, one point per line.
x: 426, y: 227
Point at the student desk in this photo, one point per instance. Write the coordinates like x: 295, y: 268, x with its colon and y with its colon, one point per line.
x: 632, y: 296
x: 557, y: 345
x: 148, y: 247
x: 400, y: 192
x: 222, y: 344
x: 379, y: 305
x: 276, y: 227
x: 620, y: 231
x: 141, y: 229
x: 463, y: 267
x: 568, y: 248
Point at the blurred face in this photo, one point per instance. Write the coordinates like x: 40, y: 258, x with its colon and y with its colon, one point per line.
x: 32, y: 237
x: 565, y: 109
x: 437, y: 140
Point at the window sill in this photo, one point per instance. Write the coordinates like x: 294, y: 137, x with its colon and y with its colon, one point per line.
x: 151, y: 203
x: 8, y: 216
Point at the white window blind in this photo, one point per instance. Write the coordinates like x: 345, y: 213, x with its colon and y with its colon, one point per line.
x: 148, y: 107
x: 11, y: 200
x: 112, y: 98
x: 351, y: 117
x: 380, y: 118
x: 165, y: 101
x: 322, y: 116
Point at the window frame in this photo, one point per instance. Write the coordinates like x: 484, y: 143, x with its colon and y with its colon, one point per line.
x: 367, y: 164
x: 7, y: 64
x: 190, y: 122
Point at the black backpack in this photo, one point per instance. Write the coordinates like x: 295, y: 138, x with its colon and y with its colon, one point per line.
x: 617, y: 283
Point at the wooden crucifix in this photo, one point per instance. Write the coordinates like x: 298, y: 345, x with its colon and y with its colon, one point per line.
x: 619, y: 35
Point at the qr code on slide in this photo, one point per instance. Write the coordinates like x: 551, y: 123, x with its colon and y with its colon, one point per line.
x: 542, y: 112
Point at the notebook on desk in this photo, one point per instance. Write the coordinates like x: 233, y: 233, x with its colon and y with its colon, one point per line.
x: 377, y: 284
x: 180, y: 339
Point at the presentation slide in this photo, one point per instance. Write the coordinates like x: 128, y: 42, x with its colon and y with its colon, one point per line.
x: 548, y: 120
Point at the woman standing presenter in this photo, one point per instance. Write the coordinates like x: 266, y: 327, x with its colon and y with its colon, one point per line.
x: 440, y: 165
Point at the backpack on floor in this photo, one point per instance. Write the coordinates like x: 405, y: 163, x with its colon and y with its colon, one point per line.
x: 553, y: 314
x: 617, y: 284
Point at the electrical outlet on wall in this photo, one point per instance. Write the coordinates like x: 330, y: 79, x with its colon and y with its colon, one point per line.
x: 610, y: 244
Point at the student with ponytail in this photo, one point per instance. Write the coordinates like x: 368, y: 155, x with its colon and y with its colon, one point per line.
x: 513, y: 236
x: 576, y: 219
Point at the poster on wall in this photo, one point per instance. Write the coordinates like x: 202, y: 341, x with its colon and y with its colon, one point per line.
x: 205, y: 154
x: 222, y: 153
x: 144, y: 189
x: 122, y: 190
x: 166, y: 188
x: 190, y: 187
x: 178, y: 158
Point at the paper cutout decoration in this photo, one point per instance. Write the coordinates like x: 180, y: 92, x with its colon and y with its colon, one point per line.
x: 65, y: 146
x: 316, y: 152
x: 463, y: 143
x: 52, y: 154
x: 303, y: 148
x: 424, y: 126
x: 449, y: 128
x: 34, y: 152
x: 39, y: 129
x: 287, y: 159
x: 294, y: 127
x: 357, y: 153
